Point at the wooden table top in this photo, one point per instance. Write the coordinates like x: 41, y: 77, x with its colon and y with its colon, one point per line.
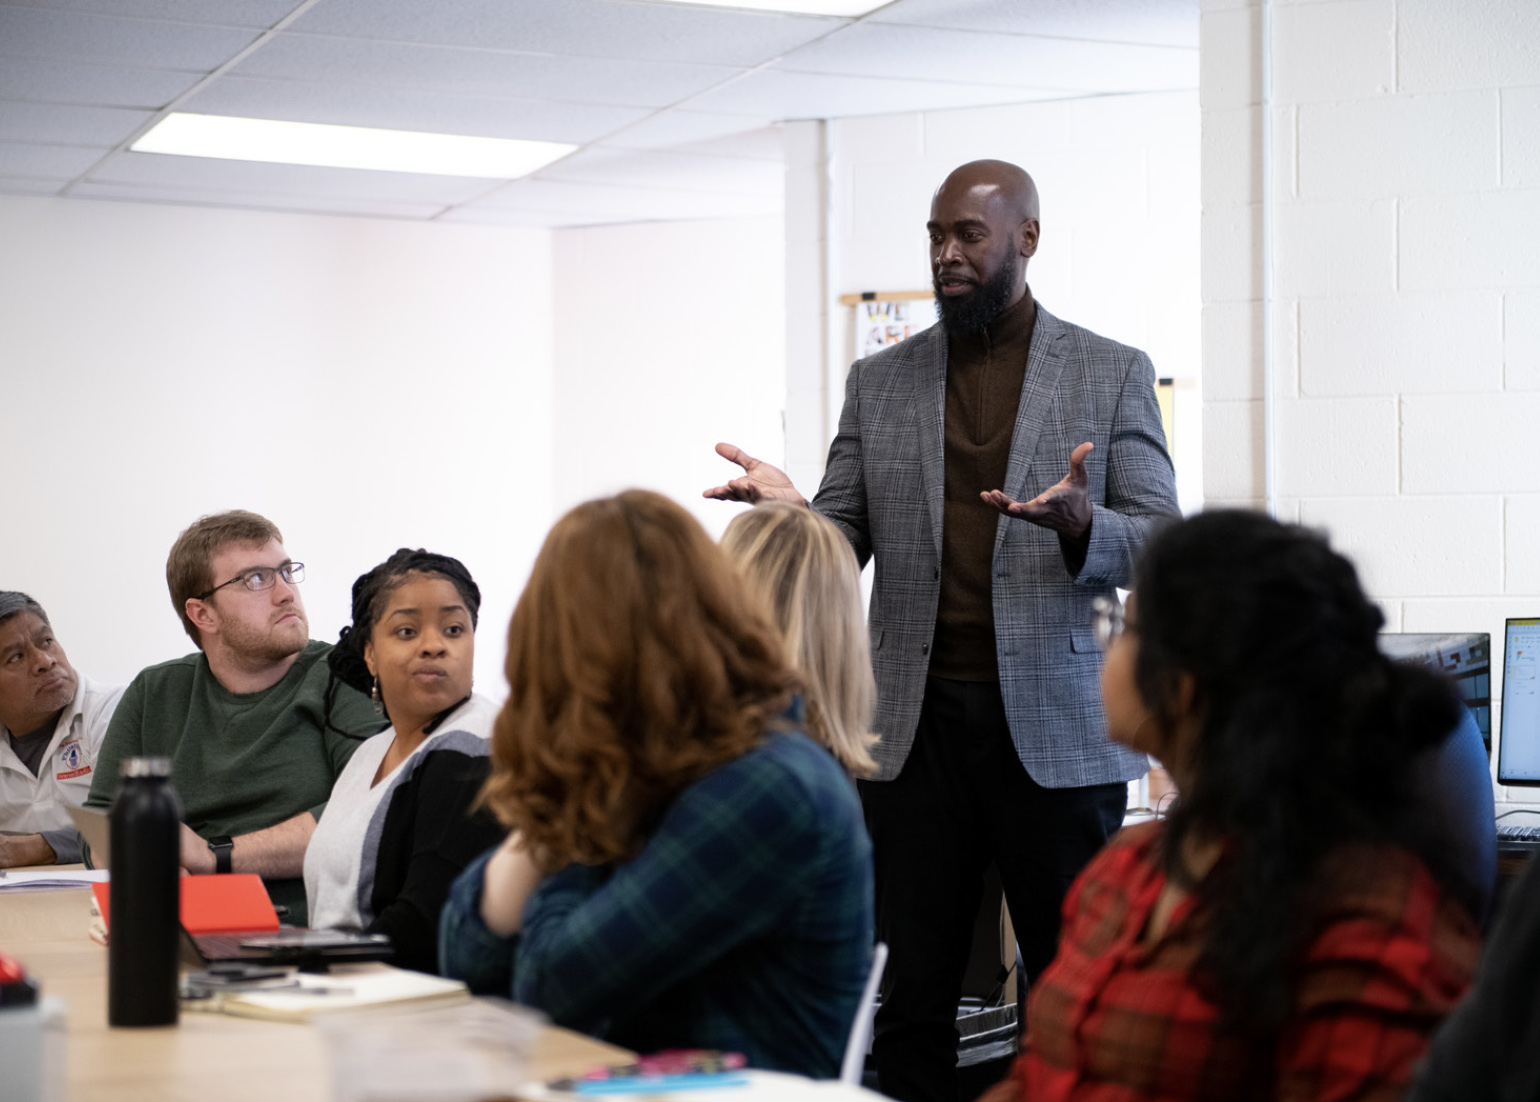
x: 205, y: 1056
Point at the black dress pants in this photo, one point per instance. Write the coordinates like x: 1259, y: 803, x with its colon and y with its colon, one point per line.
x: 963, y: 800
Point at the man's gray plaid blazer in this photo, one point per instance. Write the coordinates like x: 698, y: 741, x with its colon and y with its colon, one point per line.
x: 883, y: 487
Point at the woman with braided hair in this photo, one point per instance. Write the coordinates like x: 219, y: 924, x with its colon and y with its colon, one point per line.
x: 399, y: 826
x: 1289, y: 931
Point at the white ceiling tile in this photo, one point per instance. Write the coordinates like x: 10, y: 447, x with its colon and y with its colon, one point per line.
x: 615, y: 203
x: 108, y: 39
x: 683, y: 171
x: 735, y: 139
x: 402, y: 109
x: 208, y: 174
x: 884, y: 50
x: 27, y: 186
x: 1157, y: 22
x: 225, y: 13
x: 563, y: 197
x: 93, y: 85
x: 681, y: 127
x: 589, y: 28
x: 776, y: 94
x: 49, y: 162
x: 257, y: 200
x: 61, y: 124
x: 480, y: 72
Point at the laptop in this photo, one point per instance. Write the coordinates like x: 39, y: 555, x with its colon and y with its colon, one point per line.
x: 295, y: 945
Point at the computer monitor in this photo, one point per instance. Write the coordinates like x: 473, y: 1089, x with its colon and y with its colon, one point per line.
x: 1518, y: 751
x: 1463, y: 657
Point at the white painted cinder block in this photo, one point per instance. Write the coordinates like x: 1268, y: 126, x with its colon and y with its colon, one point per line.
x: 1232, y: 253
x: 891, y: 198
x: 1470, y: 443
x: 802, y: 142
x: 1232, y: 165
x: 1442, y: 46
x: 1335, y: 248
x: 1232, y: 350
x: 1128, y: 122
x: 1417, y: 343
x: 1485, y: 240
x: 1416, y: 546
x: 1015, y: 133
x: 1336, y: 447
x: 1521, y: 137
x: 1332, y: 51
x: 1521, y: 340
x: 1521, y: 546
x: 881, y: 138
x: 1232, y: 450
x: 1434, y: 614
x: 1229, y: 58
x: 1381, y: 147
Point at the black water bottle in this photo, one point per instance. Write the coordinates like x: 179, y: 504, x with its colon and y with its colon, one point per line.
x: 145, y: 899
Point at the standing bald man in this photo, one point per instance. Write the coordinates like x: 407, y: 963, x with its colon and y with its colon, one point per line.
x: 1002, y: 468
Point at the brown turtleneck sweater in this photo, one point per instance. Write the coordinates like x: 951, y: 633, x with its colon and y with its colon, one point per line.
x: 984, y: 374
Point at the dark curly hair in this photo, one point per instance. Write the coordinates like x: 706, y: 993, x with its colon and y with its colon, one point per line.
x: 1307, y: 736
x: 370, y: 591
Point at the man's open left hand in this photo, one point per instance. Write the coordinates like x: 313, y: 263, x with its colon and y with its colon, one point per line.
x: 1065, y: 507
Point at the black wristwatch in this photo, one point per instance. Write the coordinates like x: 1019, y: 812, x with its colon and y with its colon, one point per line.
x: 221, y: 848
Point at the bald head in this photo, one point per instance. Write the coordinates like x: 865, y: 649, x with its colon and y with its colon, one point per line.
x: 983, y: 229
x: 1009, y: 185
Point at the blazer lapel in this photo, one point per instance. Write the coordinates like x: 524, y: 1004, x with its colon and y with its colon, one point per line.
x: 1045, y: 362
x: 929, y: 403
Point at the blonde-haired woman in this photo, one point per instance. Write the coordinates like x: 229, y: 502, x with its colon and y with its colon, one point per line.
x: 803, y: 569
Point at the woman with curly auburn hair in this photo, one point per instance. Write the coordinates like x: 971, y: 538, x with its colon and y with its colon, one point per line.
x: 803, y: 569
x: 686, y: 868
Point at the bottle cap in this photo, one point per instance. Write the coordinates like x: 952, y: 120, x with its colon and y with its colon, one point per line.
x: 147, y: 767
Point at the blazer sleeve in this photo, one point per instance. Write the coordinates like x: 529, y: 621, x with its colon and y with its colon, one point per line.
x: 1140, y: 485
x: 433, y: 834
x: 842, y: 494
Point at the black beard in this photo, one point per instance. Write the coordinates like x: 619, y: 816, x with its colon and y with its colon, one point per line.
x: 969, y: 315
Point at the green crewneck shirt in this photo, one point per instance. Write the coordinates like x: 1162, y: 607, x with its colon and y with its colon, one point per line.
x: 241, y: 762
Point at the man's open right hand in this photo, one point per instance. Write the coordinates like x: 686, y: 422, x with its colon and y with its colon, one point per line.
x: 760, y: 481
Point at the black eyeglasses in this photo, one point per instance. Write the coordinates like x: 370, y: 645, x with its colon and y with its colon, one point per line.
x: 1107, y: 621
x: 259, y: 578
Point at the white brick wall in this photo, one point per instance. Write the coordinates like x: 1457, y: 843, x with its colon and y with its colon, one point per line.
x: 1406, y: 336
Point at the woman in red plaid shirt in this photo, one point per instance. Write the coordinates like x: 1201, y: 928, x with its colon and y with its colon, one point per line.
x: 1286, y: 932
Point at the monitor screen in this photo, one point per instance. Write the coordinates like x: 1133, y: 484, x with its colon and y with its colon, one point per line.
x: 1463, y: 657
x: 1518, y: 751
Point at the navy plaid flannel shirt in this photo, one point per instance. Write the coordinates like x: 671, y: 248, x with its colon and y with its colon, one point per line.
x: 745, y: 923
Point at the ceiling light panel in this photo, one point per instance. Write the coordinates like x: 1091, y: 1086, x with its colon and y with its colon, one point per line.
x: 302, y: 143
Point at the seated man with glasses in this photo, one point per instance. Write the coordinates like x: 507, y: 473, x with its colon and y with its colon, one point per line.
x: 253, y: 756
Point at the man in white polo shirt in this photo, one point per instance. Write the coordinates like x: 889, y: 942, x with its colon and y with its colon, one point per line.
x: 51, y: 723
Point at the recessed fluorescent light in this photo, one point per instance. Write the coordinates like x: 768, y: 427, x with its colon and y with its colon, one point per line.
x: 801, y: 7
x: 308, y: 143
